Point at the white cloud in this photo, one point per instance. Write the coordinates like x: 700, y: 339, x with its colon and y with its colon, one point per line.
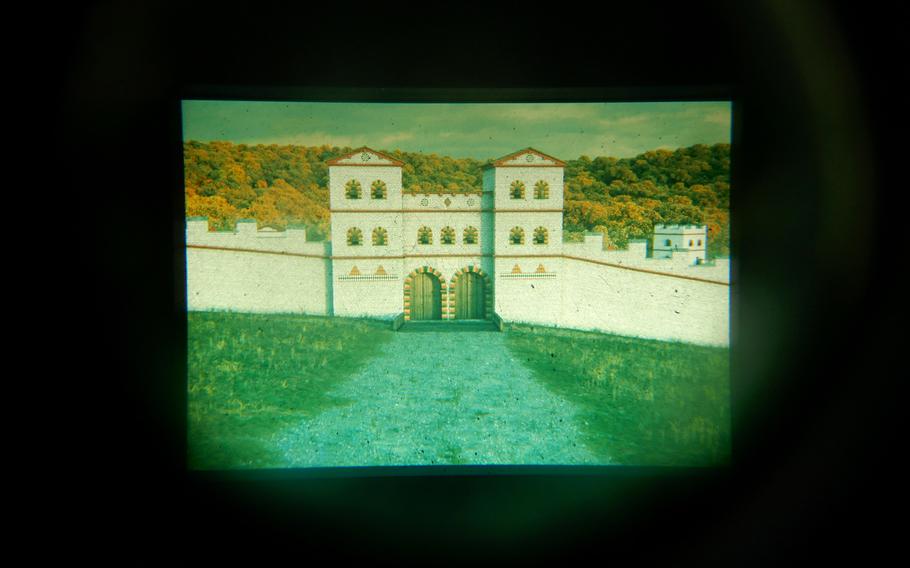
x: 717, y: 117
x: 311, y: 139
x: 624, y: 120
x: 535, y: 112
x: 397, y: 137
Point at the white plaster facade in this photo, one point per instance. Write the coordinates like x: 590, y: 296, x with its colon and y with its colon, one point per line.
x: 672, y: 295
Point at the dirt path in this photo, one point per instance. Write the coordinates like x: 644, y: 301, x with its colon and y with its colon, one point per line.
x: 437, y: 399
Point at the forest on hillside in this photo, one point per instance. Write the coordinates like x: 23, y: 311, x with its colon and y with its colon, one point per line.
x: 622, y: 198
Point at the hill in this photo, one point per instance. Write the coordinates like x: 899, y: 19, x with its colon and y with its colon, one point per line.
x: 623, y: 198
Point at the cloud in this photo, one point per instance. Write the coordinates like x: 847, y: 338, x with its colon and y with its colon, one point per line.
x: 717, y: 117
x: 519, y: 113
x: 468, y: 130
x: 309, y: 139
x: 624, y: 120
x: 397, y: 137
x: 550, y: 112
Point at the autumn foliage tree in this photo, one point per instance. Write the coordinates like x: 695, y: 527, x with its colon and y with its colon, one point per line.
x: 623, y: 198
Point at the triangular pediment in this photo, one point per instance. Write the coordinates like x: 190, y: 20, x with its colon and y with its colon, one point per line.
x: 365, y: 157
x: 527, y: 157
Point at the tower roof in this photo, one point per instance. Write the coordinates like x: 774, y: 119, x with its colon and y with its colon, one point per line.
x: 528, y: 157
x: 365, y: 156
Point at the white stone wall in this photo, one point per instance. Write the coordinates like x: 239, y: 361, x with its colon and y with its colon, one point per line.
x: 369, y: 293
x: 681, y: 263
x: 528, y: 222
x: 221, y: 275
x: 339, y: 176
x: 639, y: 304
x: 457, y: 220
x: 612, y: 291
x: 247, y: 236
x: 461, y: 212
x: 342, y: 222
x: 457, y: 202
x: 256, y: 282
x: 530, y: 296
x: 501, y: 180
x: 569, y: 293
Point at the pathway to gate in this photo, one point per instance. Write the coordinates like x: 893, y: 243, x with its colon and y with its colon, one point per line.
x: 438, y: 398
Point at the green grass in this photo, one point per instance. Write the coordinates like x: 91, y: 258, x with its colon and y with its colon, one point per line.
x: 250, y: 375
x: 641, y: 402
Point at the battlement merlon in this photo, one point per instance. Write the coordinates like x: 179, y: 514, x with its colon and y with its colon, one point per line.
x: 680, y: 229
x: 199, y: 227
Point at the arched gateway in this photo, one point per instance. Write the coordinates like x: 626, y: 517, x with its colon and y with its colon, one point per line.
x: 423, y: 291
x: 470, y: 294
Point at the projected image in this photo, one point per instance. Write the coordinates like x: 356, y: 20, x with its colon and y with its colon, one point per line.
x: 384, y: 284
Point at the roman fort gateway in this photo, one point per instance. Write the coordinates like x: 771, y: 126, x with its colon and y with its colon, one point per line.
x: 497, y: 253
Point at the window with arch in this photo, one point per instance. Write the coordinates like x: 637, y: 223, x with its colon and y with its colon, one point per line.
x: 470, y: 236
x: 541, y: 236
x: 517, y: 236
x: 380, y: 237
x: 517, y: 190
x: 541, y: 190
x: 447, y: 236
x: 353, y: 190
x: 355, y: 237
x: 425, y: 236
x: 378, y: 190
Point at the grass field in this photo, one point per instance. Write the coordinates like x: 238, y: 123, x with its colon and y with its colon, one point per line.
x: 249, y: 375
x: 642, y: 402
x: 638, y: 402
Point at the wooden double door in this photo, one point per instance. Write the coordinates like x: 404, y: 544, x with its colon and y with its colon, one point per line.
x: 469, y: 296
x: 426, y: 297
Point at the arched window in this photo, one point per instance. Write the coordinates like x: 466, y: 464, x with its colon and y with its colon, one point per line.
x: 355, y: 236
x: 380, y: 237
x: 425, y: 236
x: 378, y: 190
x: 541, y: 190
x: 541, y: 236
x: 517, y: 190
x: 447, y: 236
x: 470, y: 236
x: 667, y: 243
x: 352, y: 189
x: 517, y: 236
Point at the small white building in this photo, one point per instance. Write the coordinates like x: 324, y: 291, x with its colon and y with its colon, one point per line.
x: 680, y: 241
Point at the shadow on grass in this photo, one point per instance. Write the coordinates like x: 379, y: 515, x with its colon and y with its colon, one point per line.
x: 641, y: 402
x: 250, y: 375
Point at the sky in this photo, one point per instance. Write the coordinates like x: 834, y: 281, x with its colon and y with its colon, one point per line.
x: 461, y: 130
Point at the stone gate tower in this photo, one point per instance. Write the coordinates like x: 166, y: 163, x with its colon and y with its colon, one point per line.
x: 528, y: 206
x: 365, y: 199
